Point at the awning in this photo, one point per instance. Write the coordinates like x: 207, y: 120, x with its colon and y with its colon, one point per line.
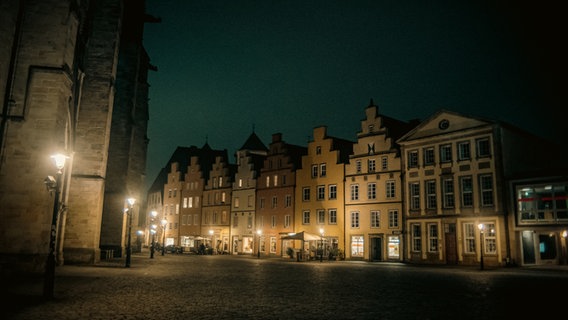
x: 304, y: 236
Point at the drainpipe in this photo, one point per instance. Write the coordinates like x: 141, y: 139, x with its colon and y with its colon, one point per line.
x: 10, y: 77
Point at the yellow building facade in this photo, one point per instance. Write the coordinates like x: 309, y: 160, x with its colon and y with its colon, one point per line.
x: 373, y: 191
x: 319, y: 193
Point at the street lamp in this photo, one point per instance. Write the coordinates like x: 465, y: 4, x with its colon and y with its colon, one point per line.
x: 259, y: 232
x: 481, y: 228
x: 321, y: 247
x: 55, y: 185
x: 164, y: 222
x: 153, y: 232
x: 131, y: 202
x: 211, y: 240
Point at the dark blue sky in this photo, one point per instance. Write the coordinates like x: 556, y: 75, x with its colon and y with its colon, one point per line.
x: 289, y: 66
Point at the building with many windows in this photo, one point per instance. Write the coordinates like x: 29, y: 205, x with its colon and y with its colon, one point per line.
x: 452, y: 189
x: 373, y: 197
x: 455, y: 178
x: 319, y: 199
x: 244, y: 236
x: 275, y: 195
x: 216, y: 206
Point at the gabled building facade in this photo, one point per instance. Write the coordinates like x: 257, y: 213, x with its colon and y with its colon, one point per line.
x: 172, y: 204
x: 245, y: 234
x: 198, y: 171
x: 276, y: 195
x: 373, y: 198
x: 456, y: 202
x: 216, y: 209
x: 319, y: 198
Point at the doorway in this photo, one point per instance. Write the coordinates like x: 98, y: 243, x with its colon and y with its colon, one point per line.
x: 376, y: 249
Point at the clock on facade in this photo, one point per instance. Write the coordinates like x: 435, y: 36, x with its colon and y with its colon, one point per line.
x: 443, y: 124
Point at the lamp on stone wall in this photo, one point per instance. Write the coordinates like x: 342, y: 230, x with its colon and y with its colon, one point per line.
x: 131, y: 202
x: 53, y: 184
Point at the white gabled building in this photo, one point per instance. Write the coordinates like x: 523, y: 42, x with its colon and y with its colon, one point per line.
x: 455, y: 170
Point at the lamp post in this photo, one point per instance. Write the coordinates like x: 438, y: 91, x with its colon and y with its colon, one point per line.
x: 131, y: 202
x: 211, y: 240
x: 54, y: 184
x: 481, y: 228
x: 154, y: 213
x: 152, y: 249
x: 564, y: 235
x: 321, y: 247
x: 164, y: 222
x: 259, y: 232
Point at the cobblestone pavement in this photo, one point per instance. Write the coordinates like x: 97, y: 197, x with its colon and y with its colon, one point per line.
x: 244, y: 287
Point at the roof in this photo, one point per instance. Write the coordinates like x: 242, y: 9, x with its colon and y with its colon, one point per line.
x: 254, y: 143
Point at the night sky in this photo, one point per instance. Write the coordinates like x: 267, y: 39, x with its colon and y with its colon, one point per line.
x: 226, y: 68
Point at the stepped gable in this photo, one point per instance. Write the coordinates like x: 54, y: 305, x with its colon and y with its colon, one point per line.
x: 207, y: 157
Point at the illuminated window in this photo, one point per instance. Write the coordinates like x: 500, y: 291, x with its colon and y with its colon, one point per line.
x: 357, y: 245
